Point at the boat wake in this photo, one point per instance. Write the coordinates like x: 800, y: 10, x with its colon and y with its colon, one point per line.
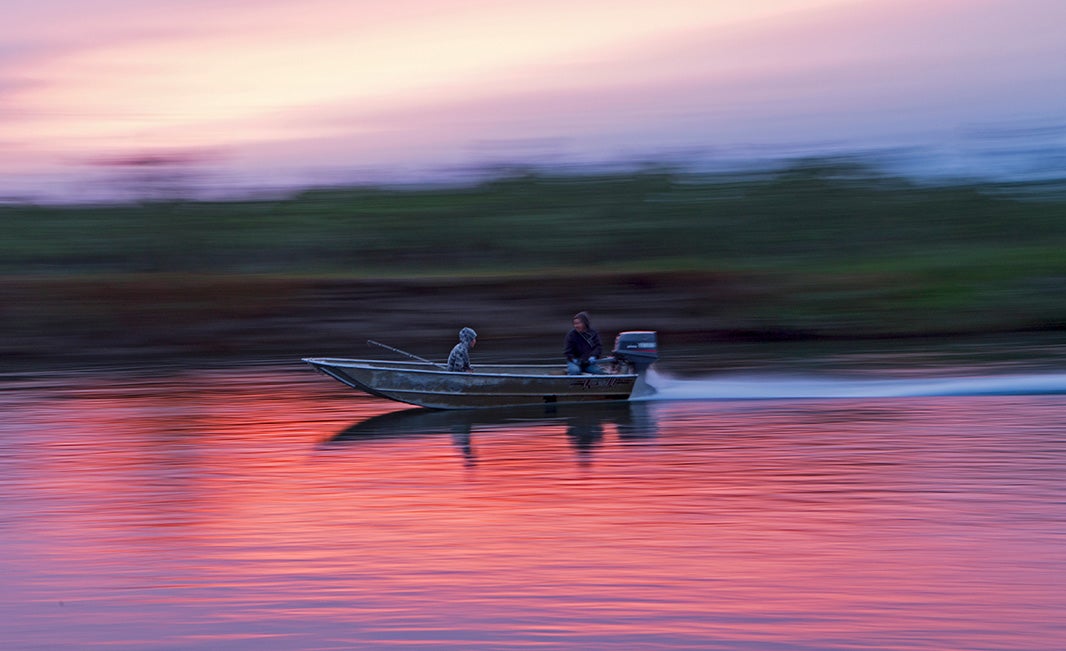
x: 771, y: 386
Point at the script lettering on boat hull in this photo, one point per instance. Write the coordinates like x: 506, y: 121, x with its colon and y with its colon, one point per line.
x: 596, y: 383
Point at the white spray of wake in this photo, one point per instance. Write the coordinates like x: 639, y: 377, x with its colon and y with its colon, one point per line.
x: 772, y: 386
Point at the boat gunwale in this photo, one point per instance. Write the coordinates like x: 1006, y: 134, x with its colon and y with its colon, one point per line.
x: 371, y: 364
x: 484, y: 393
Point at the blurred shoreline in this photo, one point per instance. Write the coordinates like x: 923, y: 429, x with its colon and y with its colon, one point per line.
x: 192, y: 321
x: 825, y: 253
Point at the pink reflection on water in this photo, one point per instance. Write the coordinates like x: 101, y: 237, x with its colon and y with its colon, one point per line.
x: 272, y: 511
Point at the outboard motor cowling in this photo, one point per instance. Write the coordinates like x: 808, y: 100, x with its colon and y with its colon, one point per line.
x: 638, y: 349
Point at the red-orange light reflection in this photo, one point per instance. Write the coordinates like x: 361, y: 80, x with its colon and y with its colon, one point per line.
x: 258, y: 512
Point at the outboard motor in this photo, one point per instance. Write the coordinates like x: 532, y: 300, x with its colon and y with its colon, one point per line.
x: 637, y: 349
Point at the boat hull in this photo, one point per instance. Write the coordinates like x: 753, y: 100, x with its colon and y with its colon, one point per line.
x: 426, y: 385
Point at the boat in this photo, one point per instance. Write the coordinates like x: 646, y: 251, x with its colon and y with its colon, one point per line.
x: 427, y: 384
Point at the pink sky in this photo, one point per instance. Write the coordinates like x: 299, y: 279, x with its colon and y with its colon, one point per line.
x: 274, y: 92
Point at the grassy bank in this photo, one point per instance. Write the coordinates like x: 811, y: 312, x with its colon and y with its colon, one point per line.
x: 826, y: 249
x: 817, y: 218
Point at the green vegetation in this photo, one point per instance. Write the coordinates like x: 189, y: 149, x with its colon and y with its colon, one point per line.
x: 824, y: 216
x: 825, y: 248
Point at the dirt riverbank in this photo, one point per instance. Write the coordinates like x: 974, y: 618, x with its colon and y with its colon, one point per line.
x: 73, y: 322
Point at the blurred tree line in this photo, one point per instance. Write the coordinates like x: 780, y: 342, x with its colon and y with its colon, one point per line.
x: 821, y: 248
x: 823, y: 215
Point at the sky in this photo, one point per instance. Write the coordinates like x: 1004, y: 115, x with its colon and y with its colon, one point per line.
x: 271, y: 93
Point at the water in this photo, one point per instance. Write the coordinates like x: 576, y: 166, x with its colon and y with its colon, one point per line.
x: 273, y: 509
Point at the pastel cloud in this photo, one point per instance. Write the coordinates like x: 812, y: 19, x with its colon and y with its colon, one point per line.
x: 349, y: 83
x: 867, y: 72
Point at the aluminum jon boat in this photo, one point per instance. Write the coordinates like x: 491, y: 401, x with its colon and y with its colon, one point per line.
x: 426, y: 384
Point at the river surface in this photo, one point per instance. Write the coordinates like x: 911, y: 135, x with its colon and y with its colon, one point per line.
x: 270, y: 508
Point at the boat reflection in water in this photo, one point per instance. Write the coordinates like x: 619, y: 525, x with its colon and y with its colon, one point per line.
x: 584, y: 425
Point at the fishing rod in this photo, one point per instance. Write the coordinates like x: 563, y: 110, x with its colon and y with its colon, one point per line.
x: 403, y: 352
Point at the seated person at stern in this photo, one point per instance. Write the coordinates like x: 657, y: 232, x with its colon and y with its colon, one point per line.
x: 583, y: 347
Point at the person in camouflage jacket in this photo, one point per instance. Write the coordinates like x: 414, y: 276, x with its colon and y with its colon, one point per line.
x: 459, y: 359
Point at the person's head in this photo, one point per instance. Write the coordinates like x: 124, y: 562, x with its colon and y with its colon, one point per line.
x: 581, y: 322
x: 468, y: 336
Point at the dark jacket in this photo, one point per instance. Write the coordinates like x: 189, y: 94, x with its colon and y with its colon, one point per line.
x: 582, y: 345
